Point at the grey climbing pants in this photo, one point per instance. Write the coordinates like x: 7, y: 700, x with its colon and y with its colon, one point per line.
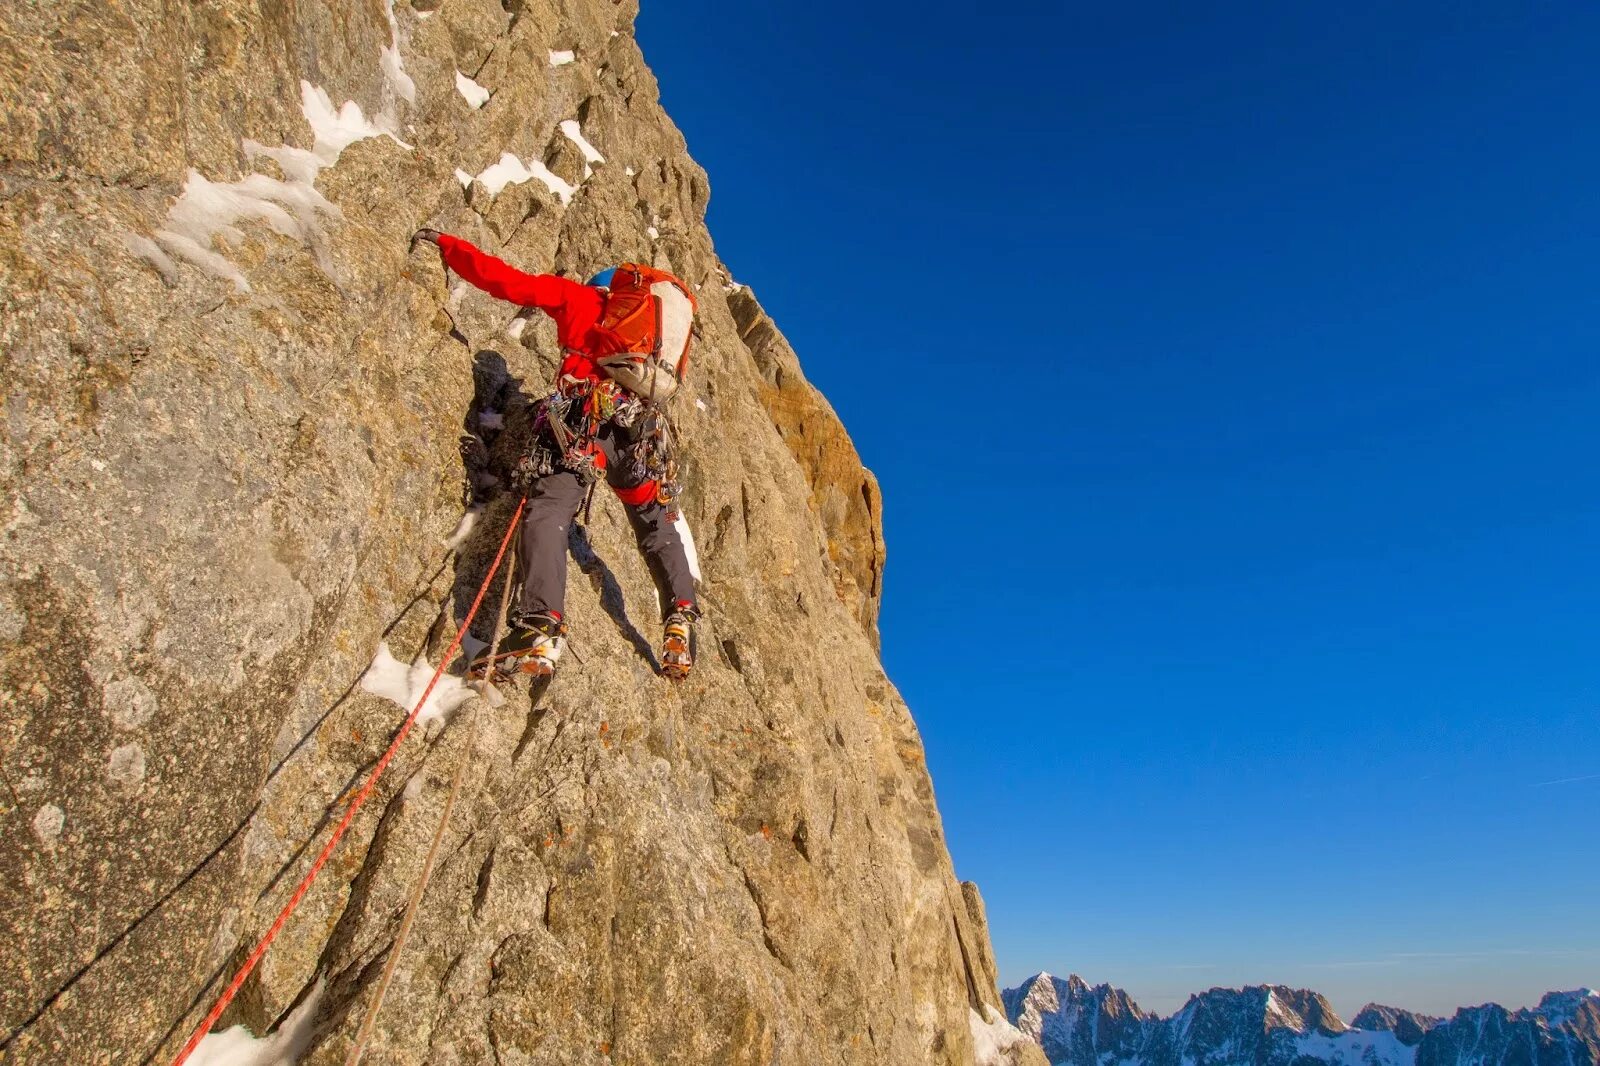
x: 553, y: 503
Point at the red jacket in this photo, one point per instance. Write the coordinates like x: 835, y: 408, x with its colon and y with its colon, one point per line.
x: 576, y: 308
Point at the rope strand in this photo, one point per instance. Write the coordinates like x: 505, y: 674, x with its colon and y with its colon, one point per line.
x: 349, y: 814
x: 369, y: 1023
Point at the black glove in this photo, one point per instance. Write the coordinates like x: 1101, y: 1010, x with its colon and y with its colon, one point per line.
x: 425, y: 234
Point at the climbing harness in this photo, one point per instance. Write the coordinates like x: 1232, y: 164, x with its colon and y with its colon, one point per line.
x: 487, y: 690
x: 351, y: 810
x: 566, y: 429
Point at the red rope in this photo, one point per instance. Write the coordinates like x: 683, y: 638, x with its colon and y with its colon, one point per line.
x: 349, y: 814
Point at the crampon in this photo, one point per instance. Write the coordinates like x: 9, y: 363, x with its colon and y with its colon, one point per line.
x: 528, y: 650
x: 677, y: 654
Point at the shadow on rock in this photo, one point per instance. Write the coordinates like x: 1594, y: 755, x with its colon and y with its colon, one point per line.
x: 610, y: 590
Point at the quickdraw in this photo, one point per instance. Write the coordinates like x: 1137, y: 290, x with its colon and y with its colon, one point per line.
x: 652, y: 458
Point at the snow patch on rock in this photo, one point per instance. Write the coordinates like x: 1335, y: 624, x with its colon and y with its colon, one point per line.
x: 574, y: 133
x: 561, y: 59
x: 335, y: 129
x: 403, y: 685
x: 394, y: 68
x: 512, y: 171
x: 463, y: 530
x: 993, y: 1038
x: 239, y: 1047
x: 474, y: 94
x: 207, y: 211
x: 148, y: 250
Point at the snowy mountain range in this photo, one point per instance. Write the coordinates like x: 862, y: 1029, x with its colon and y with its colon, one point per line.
x: 1271, y: 1025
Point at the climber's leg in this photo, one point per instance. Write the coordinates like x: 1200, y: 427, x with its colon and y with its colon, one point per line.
x: 553, y: 503
x: 656, y: 529
x: 654, y: 524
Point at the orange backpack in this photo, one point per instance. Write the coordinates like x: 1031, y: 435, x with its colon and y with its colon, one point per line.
x: 644, y: 333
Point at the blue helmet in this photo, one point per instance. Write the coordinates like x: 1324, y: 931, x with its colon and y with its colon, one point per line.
x: 602, y: 280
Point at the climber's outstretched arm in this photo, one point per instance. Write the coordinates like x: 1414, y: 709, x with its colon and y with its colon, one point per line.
x: 554, y: 295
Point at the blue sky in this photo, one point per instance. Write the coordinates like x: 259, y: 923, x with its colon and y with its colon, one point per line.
x: 1231, y: 374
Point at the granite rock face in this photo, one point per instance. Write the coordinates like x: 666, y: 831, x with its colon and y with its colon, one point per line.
x: 231, y: 449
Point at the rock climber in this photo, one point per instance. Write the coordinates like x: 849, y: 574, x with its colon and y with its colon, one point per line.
x: 624, y: 338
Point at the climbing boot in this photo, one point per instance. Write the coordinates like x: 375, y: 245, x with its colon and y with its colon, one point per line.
x: 533, y: 646
x: 677, y: 640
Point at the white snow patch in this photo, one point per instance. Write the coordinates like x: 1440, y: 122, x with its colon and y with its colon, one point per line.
x: 463, y: 528
x: 425, y: 15
x: 628, y: 171
x: 474, y: 94
x: 993, y: 1038
x: 238, y: 1047
x: 491, y: 419
x: 1356, y: 1047
x: 702, y: 405
x: 464, y: 178
x: 394, y: 69
x: 297, y: 164
x: 689, y: 549
x: 209, y: 209
x: 151, y: 253
x: 514, y: 330
x: 561, y: 59
x: 732, y: 286
x: 290, y: 206
x: 48, y: 823
x: 512, y: 171
x: 654, y: 233
x: 402, y: 685
x: 335, y: 129
x: 209, y: 262
x: 413, y: 787
x: 574, y: 133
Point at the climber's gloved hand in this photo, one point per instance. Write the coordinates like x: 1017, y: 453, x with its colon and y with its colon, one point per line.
x: 425, y: 234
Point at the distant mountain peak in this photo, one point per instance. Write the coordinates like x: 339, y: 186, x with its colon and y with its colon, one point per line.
x: 1408, y: 1025
x: 1275, y: 1025
x: 1560, y: 1008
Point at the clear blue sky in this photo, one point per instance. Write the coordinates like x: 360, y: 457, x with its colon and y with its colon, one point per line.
x: 1231, y: 372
